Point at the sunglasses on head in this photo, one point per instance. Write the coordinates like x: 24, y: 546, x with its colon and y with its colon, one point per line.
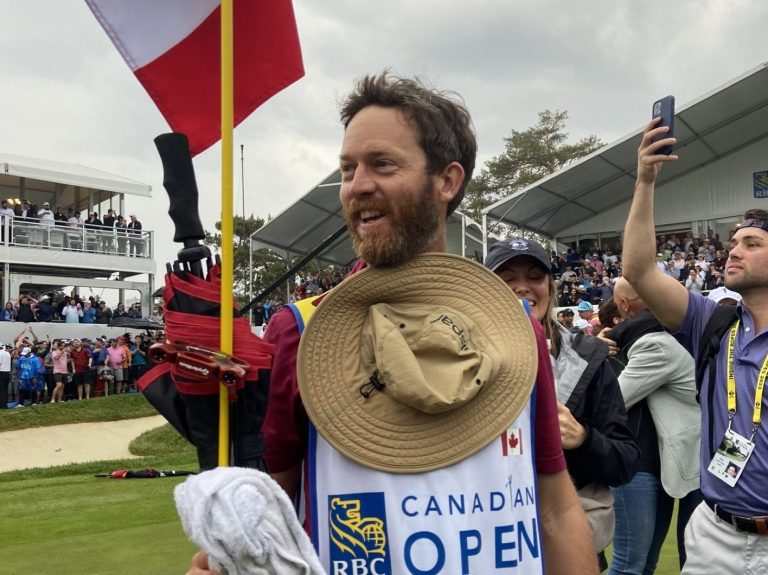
x: 762, y: 224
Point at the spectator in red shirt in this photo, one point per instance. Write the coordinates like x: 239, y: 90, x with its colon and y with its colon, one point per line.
x: 83, y: 374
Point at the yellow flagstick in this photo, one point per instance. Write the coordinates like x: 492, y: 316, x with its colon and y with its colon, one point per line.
x: 227, y: 158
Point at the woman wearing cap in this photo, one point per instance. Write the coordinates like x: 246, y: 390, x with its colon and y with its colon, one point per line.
x: 598, y: 444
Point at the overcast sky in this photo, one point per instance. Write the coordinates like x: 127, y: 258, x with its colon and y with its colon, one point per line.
x: 67, y: 95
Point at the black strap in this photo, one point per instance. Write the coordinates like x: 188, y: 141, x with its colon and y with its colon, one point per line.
x: 709, y: 346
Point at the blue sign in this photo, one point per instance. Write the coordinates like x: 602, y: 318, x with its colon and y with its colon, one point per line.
x: 358, y: 534
x: 760, y: 184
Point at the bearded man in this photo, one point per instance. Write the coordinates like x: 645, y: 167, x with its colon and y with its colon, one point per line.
x: 407, y: 155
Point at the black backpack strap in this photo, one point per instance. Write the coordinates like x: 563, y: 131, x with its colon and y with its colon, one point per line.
x: 709, y: 346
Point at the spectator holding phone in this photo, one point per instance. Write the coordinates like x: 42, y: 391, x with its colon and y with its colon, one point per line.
x: 88, y: 313
x: 694, y: 283
x: 60, y: 356
x: 72, y: 312
x: 726, y: 533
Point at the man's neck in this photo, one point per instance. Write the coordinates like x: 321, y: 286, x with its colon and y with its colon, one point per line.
x: 757, y: 304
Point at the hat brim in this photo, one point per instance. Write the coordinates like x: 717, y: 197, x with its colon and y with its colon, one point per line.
x: 378, y: 432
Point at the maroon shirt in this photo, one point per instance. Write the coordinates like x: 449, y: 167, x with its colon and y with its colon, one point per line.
x: 80, y: 359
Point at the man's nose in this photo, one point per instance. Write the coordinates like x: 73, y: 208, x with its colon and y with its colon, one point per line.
x: 361, y: 182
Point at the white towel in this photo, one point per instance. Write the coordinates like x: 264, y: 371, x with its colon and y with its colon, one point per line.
x: 246, y: 523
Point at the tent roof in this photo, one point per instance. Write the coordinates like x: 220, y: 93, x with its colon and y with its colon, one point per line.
x: 317, y: 215
x: 715, y: 125
x: 13, y: 167
x: 307, y: 223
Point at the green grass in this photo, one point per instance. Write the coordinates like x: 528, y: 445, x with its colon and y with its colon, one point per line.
x: 668, y: 561
x: 80, y: 525
x: 112, y: 408
x: 63, y: 521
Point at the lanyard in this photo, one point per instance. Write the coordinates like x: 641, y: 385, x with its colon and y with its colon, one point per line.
x: 732, y: 384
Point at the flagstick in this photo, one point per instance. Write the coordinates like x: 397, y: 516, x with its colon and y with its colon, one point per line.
x: 242, y: 177
x: 227, y: 127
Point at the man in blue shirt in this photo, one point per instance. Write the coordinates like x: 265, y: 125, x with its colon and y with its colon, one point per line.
x: 728, y: 533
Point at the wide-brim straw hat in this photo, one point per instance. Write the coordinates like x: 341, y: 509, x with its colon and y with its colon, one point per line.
x: 451, y: 412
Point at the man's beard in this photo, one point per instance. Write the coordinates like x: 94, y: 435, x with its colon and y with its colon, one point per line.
x: 413, y: 226
x: 744, y: 283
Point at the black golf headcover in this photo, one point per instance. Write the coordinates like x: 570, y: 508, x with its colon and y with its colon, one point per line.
x: 192, y: 406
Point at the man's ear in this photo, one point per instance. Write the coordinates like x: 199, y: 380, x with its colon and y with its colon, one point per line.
x: 449, y: 182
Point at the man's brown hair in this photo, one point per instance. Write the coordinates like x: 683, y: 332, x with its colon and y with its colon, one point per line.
x: 443, y: 122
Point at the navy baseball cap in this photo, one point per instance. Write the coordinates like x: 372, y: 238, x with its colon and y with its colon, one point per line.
x: 506, y: 250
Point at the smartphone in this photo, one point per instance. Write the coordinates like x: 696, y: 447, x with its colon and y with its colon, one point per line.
x: 666, y: 109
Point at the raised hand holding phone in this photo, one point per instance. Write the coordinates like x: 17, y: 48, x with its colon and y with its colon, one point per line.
x: 665, y: 108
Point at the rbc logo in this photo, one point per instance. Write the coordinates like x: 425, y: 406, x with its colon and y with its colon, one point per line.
x: 358, y: 534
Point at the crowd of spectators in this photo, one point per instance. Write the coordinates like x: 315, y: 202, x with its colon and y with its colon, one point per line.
x: 69, y: 309
x: 697, y: 263
x: 306, y: 285
x: 585, y: 279
x: 127, y: 233
x: 52, y: 371
x: 316, y: 284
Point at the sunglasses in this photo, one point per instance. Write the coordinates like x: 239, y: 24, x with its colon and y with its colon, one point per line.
x: 762, y: 224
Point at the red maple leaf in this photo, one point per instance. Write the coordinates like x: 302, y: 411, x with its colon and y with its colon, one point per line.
x: 513, y: 441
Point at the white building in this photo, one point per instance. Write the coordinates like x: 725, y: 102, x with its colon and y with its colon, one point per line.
x: 38, y: 258
x: 722, y: 171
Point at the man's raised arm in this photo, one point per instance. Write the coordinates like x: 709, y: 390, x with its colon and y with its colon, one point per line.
x: 666, y: 297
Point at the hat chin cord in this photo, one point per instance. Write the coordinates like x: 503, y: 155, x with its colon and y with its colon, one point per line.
x: 373, y: 384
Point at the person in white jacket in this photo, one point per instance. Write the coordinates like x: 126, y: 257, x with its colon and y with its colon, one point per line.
x: 658, y: 384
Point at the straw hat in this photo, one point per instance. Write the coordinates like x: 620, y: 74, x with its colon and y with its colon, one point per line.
x: 415, y: 368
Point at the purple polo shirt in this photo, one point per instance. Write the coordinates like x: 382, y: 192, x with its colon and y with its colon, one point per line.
x: 749, y: 497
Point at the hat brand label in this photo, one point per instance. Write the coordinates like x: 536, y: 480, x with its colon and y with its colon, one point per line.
x: 458, y: 330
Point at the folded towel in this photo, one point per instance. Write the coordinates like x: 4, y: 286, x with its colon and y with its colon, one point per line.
x: 246, y: 523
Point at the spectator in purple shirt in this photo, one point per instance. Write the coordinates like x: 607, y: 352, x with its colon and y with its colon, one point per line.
x: 728, y: 532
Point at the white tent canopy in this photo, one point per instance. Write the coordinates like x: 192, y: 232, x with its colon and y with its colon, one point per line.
x: 721, y: 142
x: 66, y: 184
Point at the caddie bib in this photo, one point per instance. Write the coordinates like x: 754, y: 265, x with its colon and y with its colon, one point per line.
x: 479, y: 516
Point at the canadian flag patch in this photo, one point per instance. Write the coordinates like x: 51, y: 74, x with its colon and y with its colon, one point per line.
x: 512, y: 442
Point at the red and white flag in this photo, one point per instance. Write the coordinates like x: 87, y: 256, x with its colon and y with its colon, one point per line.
x: 512, y: 442
x: 173, y: 47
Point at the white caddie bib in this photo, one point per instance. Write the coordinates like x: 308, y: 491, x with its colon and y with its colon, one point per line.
x: 479, y: 516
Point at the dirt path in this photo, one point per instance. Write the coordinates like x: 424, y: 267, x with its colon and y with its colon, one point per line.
x: 71, y: 443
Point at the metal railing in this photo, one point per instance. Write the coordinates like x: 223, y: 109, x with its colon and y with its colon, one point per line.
x: 84, y: 238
